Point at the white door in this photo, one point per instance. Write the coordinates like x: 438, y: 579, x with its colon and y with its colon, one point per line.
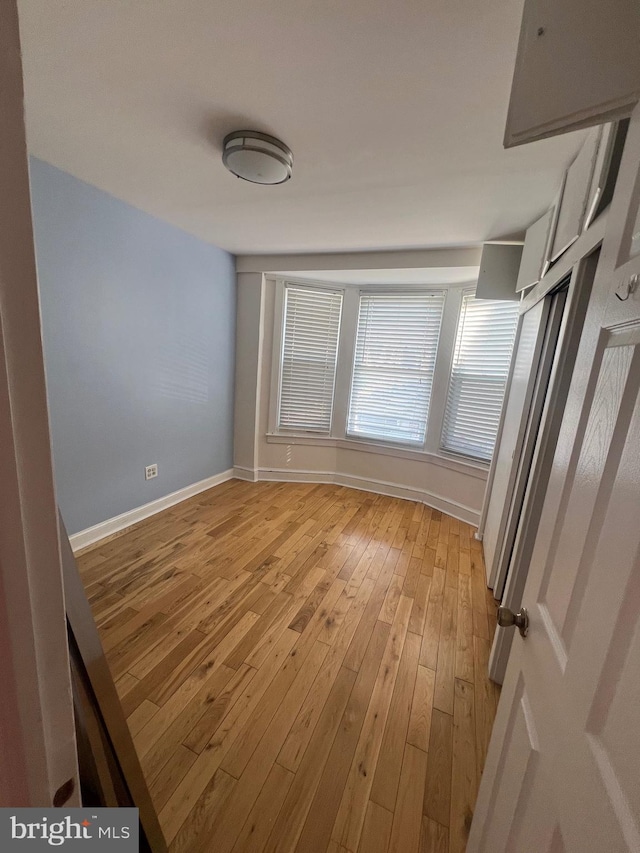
x: 578, y: 64
x: 563, y: 769
x: 37, y: 737
x: 514, y: 420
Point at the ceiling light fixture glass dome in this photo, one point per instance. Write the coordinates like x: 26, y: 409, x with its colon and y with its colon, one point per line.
x: 257, y: 157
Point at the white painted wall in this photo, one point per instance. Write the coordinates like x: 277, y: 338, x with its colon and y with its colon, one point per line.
x: 248, y: 333
x: 450, y: 485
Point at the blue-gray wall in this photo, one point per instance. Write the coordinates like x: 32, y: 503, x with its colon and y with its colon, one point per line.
x: 138, y: 324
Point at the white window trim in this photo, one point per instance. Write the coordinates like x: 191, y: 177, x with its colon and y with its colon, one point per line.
x: 438, y: 437
x: 444, y: 361
x: 277, y: 354
x: 443, y: 451
x: 387, y: 289
x: 431, y: 450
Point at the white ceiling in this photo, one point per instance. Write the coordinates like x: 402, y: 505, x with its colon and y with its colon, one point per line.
x: 394, y: 111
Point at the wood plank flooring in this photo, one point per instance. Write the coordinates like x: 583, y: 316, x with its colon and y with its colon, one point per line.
x: 303, y: 668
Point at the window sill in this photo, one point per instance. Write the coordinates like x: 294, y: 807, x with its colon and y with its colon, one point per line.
x: 463, y: 466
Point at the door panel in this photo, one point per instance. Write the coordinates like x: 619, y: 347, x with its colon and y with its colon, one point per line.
x: 576, y: 523
x: 605, y: 170
x: 536, y: 250
x: 577, y: 65
x: 614, y: 737
x: 574, y: 681
x: 520, y: 759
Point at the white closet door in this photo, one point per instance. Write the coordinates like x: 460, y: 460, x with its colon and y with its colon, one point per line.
x: 515, y: 415
x: 561, y: 774
x: 578, y: 64
x: 534, y: 254
x: 575, y: 197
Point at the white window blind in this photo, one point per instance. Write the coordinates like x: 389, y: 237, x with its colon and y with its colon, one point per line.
x: 309, y: 350
x: 482, y: 355
x: 395, y: 356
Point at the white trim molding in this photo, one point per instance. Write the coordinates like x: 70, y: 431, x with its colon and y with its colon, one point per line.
x: 472, y: 468
x: 100, y: 531
x: 404, y: 259
x: 242, y: 473
x: 380, y: 487
x: 103, y: 530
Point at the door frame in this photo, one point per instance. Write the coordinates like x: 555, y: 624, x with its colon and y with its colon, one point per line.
x: 482, y: 522
x: 523, y: 460
x: 588, y: 242
x: 551, y: 398
x: 37, y: 732
x: 520, y: 425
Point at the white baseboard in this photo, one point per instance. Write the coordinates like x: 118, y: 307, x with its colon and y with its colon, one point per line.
x: 242, y: 473
x: 280, y: 475
x: 113, y: 525
x: 380, y: 487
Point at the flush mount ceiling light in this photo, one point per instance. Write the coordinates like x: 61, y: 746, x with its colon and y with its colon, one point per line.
x: 257, y: 157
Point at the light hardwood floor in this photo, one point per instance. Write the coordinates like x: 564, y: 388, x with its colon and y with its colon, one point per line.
x: 303, y: 668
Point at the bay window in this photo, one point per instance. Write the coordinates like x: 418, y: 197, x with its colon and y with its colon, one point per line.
x: 414, y: 367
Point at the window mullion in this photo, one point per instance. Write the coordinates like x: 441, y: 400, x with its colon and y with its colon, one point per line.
x: 444, y: 361
x: 346, y: 349
x: 276, y: 355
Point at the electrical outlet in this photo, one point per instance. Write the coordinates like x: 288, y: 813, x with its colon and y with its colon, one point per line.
x: 151, y: 471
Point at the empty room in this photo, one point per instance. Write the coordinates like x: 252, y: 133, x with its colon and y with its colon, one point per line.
x: 319, y: 426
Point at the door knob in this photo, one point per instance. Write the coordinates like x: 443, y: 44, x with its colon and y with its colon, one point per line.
x: 507, y: 619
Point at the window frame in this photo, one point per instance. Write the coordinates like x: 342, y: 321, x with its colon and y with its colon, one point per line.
x: 430, y: 449
x: 385, y: 290
x: 278, y: 357
x: 458, y: 454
